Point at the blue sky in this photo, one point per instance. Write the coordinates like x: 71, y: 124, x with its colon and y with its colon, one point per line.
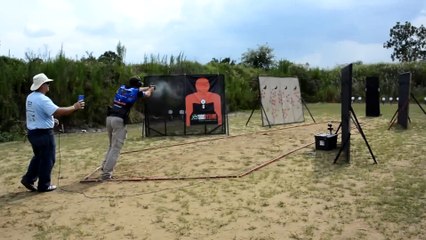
x: 322, y: 33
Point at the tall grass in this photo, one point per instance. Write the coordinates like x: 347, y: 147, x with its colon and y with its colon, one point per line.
x: 97, y: 79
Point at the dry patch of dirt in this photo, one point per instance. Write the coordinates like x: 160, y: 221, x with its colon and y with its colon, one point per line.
x: 301, y: 195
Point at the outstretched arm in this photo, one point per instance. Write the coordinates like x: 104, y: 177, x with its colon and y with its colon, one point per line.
x: 147, y: 91
x: 64, y: 111
x: 189, y: 100
x: 217, y: 108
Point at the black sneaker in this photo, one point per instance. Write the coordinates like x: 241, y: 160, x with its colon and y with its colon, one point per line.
x: 28, y: 185
x: 106, y: 177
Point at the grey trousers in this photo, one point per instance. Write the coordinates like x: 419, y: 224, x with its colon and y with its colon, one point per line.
x: 117, y: 132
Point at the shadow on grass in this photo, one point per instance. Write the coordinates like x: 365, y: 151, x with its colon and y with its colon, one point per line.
x: 76, y: 187
x: 323, y: 162
x: 16, y: 196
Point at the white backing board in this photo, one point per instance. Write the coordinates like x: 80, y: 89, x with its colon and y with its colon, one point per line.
x: 281, y: 100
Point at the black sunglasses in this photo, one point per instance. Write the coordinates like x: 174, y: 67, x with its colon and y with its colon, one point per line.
x: 47, y: 83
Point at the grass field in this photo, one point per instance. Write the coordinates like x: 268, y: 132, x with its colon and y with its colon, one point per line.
x: 301, y: 195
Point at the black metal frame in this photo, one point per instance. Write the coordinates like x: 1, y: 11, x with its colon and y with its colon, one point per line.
x: 345, y: 141
x: 347, y: 114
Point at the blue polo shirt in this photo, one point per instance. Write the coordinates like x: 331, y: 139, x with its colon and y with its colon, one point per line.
x: 40, y: 109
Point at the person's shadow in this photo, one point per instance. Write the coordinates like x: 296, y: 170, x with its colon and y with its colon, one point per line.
x: 203, y: 102
x: 15, y: 196
x: 75, y: 187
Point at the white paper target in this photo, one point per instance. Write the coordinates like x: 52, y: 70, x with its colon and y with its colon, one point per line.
x: 281, y: 100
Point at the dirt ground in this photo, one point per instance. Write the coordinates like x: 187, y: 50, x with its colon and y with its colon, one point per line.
x: 256, y: 183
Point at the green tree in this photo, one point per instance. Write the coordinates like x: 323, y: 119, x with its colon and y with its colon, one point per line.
x: 408, y: 42
x: 109, y: 57
x: 226, y: 60
x: 121, y: 52
x: 262, y: 57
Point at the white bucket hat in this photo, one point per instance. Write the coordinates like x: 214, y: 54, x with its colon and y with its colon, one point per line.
x: 38, y: 80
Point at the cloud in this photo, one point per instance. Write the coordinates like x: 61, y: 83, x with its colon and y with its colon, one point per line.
x: 104, y: 29
x: 344, y: 52
x: 320, y: 32
x: 35, y: 31
x: 420, y: 19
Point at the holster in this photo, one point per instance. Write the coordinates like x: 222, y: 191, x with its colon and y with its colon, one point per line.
x: 122, y: 113
x: 109, y: 110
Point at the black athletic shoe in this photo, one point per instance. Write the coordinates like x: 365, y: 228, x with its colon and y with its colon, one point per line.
x: 28, y: 185
x: 105, y: 177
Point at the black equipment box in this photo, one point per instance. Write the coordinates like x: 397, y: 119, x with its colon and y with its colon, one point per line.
x: 325, y: 141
